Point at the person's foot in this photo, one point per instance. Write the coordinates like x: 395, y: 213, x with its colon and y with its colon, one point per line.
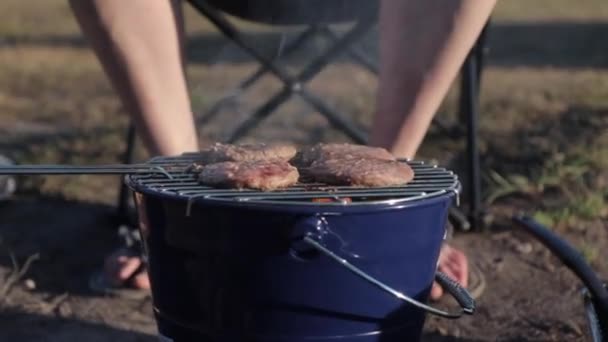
x: 123, y: 268
x: 453, y: 263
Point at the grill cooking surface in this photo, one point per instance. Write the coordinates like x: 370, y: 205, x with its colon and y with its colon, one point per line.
x: 429, y: 181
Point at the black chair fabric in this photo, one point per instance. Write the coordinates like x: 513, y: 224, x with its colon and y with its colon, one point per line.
x: 297, y: 12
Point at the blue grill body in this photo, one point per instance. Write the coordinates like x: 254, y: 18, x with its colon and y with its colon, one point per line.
x: 232, y: 267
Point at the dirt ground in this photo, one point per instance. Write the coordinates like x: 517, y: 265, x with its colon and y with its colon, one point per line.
x: 529, y: 295
x: 544, y: 132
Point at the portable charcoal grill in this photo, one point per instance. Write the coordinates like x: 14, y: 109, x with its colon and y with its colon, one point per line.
x: 309, y: 262
x: 244, y: 265
x: 288, y: 265
x: 172, y: 176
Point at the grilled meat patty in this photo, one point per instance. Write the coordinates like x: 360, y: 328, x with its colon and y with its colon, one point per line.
x: 261, y: 175
x: 266, y: 166
x: 306, y: 157
x: 359, y: 172
x: 246, y: 152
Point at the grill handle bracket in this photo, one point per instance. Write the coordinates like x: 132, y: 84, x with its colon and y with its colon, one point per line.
x: 462, y: 296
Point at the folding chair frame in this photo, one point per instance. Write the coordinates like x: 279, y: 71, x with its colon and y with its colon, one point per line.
x: 469, y: 109
x: 295, y: 85
x: 291, y: 84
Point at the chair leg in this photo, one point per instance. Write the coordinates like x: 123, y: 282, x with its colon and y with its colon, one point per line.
x: 469, y: 98
x: 481, y: 52
x: 459, y: 219
x: 469, y: 112
x: 122, y: 211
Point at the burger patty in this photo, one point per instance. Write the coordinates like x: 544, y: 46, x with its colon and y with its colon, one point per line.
x: 359, y: 172
x: 340, y: 151
x: 246, y: 152
x: 261, y: 175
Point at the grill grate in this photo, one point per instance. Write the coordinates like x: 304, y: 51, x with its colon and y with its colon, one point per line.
x: 429, y: 181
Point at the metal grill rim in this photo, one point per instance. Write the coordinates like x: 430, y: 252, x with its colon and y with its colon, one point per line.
x: 429, y: 181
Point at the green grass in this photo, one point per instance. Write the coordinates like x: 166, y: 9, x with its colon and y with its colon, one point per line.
x: 589, y: 252
x: 569, y: 188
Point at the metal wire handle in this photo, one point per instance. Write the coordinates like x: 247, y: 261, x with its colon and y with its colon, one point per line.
x: 461, y: 295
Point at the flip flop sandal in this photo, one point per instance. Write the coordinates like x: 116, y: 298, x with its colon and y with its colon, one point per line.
x: 99, y: 283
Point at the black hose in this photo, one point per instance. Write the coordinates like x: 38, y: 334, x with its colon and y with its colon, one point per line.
x: 570, y: 257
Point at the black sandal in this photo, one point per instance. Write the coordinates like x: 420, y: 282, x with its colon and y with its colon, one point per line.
x: 99, y: 283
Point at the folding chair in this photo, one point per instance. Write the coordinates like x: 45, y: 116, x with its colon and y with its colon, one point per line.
x: 317, y: 16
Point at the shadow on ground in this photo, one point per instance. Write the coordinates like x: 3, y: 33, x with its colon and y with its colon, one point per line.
x: 71, y: 239
x: 17, y: 326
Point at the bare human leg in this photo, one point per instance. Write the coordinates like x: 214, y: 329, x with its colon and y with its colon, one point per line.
x: 139, y: 43
x: 422, y: 46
